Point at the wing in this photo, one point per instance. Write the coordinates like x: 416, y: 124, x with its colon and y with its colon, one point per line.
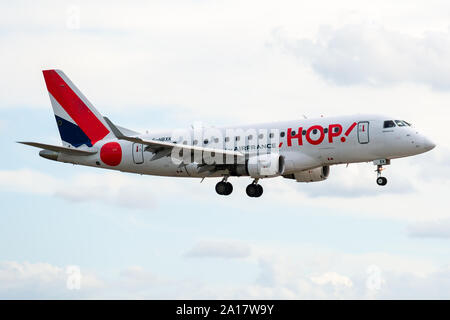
x: 163, y: 149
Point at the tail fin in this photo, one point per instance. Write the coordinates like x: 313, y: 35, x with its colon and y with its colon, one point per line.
x: 79, y: 123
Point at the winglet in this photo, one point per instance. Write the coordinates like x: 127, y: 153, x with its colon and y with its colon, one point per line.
x: 114, y: 129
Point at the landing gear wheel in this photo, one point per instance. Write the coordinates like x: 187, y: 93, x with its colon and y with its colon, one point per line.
x: 224, y: 188
x: 251, y: 190
x: 260, y: 190
x: 221, y: 187
x: 381, y: 181
x: 228, y: 189
x: 254, y: 190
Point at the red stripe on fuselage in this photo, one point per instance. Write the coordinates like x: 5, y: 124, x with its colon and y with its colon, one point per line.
x: 74, y: 106
x: 350, y: 129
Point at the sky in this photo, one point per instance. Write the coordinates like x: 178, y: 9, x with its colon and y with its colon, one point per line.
x: 71, y: 232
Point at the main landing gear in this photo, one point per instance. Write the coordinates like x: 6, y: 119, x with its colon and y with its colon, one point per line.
x: 254, y: 190
x: 381, y: 181
x: 224, y: 188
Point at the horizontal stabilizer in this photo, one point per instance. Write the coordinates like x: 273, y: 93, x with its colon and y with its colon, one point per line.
x: 66, y: 150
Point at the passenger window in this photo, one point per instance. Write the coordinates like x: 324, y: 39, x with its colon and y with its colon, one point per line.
x: 282, y: 134
x: 227, y: 139
x: 389, y: 124
x: 399, y: 123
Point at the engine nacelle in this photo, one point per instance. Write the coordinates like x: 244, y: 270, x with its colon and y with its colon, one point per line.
x: 265, y: 165
x: 313, y: 175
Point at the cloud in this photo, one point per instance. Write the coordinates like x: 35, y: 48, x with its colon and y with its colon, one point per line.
x: 219, y: 249
x: 430, y: 229
x: 41, y: 281
x: 307, y: 273
x: 370, y: 54
x: 26, y: 180
x: 438, y: 167
x: 136, y: 279
x: 332, y: 278
x: 356, y: 181
x: 109, y: 188
x: 435, y: 285
x: 298, y: 272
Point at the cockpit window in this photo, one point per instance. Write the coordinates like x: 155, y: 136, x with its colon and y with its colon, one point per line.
x: 389, y: 124
x: 400, y: 123
x: 407, y: 123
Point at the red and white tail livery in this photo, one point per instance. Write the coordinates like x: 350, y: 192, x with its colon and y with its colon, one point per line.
x: 79, y: 123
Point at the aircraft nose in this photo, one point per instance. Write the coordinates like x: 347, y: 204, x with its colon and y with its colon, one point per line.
x: 428, y: 144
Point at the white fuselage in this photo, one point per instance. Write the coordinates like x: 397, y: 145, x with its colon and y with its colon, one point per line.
x: 316, y: 146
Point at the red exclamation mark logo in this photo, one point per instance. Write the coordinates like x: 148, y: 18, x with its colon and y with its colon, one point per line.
x: 348, y: 131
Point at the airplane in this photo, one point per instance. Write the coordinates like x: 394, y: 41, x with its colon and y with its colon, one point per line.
x: 302, y: 150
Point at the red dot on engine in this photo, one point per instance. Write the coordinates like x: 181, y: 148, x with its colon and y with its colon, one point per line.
x: 343, y: 139
x: 111, y: 153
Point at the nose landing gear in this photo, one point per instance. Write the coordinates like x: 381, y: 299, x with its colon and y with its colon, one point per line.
x: 254, y: 190
x: 224, y: 188
x: 381, y: 181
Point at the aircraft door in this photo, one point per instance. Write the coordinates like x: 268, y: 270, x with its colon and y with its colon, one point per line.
x: 138, y: 153
x: 363, y: 132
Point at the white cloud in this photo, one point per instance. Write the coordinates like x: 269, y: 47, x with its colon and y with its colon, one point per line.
x: 28, y: 181
x: 356, y: 181
x: 317, y: 273
x: 219, y: 249
x: 111, y: 188
x: 294, y: 272
x: 41, y: 281
x: 136, y: 279
x: 430, y: 229
x: 332, y: 278
x: 373, y: 55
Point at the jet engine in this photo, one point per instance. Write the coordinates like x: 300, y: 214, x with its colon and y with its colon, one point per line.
x: 313, y: 175
x: 265, y: 165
